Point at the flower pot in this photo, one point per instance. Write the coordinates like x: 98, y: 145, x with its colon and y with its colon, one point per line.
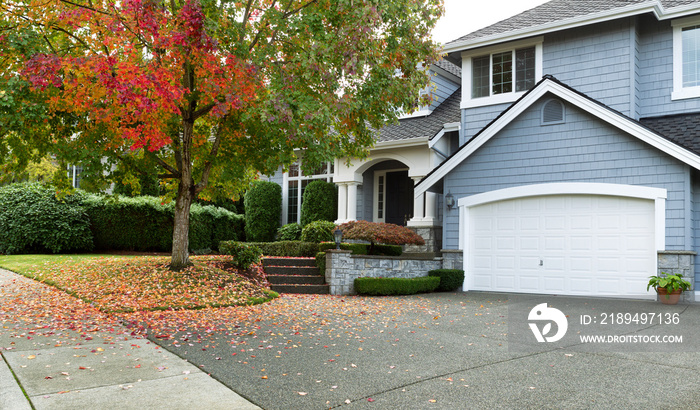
x: 669, y: 298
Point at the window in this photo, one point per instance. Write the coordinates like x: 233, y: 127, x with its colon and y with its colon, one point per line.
x: 501, y: 74
x: 74, y: 177
x: 295, y: 183
x: 686, y: 58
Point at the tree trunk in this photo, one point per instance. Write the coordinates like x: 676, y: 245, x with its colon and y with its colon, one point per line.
x: 180, y: 258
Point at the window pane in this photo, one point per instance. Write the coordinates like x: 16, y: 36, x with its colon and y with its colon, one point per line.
x: 294, y: 169
x: 480, y: 77
x: 691, y: 56
x: 380, y: 197
x: 503, y: 73
x: 524, y: 69
x: 292, y: 207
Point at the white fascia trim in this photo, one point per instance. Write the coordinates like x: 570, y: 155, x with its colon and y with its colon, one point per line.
x: 449, y: 127
x: 604, y: 114
x: 408, y: 142
x: 421, y: 113
x: 658, y: 195
x: 627, y: 11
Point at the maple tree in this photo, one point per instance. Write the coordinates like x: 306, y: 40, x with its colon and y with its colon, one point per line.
x: 205, y: 94
x: 380, y: 232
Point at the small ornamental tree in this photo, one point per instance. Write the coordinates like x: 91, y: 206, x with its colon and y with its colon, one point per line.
x: 380, y: 232
x: 206, y: 94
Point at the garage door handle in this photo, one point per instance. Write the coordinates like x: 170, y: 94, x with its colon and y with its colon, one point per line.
x: 541, y: 262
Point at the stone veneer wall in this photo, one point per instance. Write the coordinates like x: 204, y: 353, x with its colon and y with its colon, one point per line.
x: 432, y: 236
x: 342, y: 268
x: 675, y: 262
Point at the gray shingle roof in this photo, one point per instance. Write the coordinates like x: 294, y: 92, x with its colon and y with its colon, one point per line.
x: 449, y: 67
x: 559, y: 10
x: 682, y: 129
x: 447, y: 112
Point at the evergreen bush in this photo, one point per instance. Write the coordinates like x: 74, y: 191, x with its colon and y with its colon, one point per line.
x: 318, y: 231
x: 320, y: 202
x: 450, y: 279
x: 289, y: 232
x: 263, y: 207
x: 244, y: 254
x: 34, y: 219
x: 395, y: 286
x: 287, y: 248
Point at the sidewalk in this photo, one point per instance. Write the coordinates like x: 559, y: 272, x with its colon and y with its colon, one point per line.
x: 90, y: 366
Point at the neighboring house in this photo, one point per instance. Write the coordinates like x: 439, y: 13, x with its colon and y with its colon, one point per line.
x: 574, y: 160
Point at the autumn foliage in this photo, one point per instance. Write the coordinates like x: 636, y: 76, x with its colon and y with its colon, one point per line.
x: 380, y: 232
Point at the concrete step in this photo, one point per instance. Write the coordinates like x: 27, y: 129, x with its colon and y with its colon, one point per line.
x: 292, y: 270
x: 288, y: 262
x: 303, y: 289
x: 296, y: 280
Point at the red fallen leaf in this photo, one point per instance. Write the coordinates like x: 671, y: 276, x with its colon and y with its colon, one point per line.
x: 137, y: 366
x: 370, y: 400
x: 48, y: 377
x: 82, y: 368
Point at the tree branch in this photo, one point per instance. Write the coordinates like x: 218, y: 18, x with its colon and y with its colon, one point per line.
x: 210, y: 162
x: 164, y: 164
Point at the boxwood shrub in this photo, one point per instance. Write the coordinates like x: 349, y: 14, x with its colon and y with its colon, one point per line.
x: 395, y: 286
x: 364, y: 248
x: 320, y: 202
x: 263, y: 207
x: 287, y: 248
x: 34, y: 219
x: 244, y: 254
x: 289, y: 232
x: 450, y: 279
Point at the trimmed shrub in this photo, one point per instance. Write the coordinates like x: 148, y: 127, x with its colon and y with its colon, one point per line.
x: 395, y: 286
x: 364, y: 248
x: 318, y: 231
x: 321, y: 262
x: 33, y: 219
x: 450, y: 279
x: 263, y: 207
x: 145, y: 224
x: 243, y: 254
x: 289, y: 232
x: 319, y: 203
x: 287, y: 248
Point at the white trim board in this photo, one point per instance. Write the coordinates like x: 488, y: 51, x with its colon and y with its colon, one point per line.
x: 548, y: 85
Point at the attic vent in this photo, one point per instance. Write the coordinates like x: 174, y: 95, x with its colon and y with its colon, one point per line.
x: 553, y: 112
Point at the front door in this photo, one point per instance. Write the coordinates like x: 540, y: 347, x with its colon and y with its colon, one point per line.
x: 399, y: 198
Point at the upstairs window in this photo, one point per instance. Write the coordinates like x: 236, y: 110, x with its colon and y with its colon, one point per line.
x: 686, y: 58
x: 501, y: 75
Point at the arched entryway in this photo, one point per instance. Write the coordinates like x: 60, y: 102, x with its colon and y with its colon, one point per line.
x: 388, y: 193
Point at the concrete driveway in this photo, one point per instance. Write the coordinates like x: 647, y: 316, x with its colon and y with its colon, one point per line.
x: 440, y: 350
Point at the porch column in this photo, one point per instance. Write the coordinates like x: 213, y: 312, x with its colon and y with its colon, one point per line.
x: 342, y: 203
x: 352, y: 201
x: 418, y: 207
x: 430, y: 208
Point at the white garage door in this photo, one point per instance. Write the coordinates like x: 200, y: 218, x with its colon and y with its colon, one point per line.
x: 567, y: 244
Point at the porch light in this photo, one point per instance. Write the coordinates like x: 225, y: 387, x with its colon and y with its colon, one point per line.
x: 338, y: 235
x: 449, y: 200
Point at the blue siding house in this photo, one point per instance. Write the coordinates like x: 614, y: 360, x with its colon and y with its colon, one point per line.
x: 562, y: 155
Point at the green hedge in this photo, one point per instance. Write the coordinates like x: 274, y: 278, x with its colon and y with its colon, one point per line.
x: 33, y: 219
x: 145, y: 224
x: 320, y: 202
x: 287, y: 248
x: 363, y: 248
x: 395, y: 286
x: 450, y: 279
x: 289, y: 232
x: 244, y: 254
x: 263, y: 205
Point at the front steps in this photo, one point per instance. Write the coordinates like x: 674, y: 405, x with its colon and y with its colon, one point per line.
x: 295, y: 275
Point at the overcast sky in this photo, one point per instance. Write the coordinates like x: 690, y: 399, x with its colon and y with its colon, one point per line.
x: 464, y: 16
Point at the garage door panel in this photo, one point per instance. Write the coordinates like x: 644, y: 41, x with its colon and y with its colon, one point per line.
x: 589, y: 245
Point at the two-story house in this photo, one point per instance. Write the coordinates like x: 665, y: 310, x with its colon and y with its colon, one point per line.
x: 573, y: 164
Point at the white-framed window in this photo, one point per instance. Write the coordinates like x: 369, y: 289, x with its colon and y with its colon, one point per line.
x: 294, y: 184
x: 500, y: 74
x: 74, y: 172
x: 686, y: 58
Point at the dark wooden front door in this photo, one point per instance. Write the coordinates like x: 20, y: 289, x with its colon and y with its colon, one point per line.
x: 399, y: 197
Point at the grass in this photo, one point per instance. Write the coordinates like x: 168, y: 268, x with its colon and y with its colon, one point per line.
x: 142, y: 283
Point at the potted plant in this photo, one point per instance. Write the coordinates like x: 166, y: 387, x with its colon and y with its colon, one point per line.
x: 669, y: 287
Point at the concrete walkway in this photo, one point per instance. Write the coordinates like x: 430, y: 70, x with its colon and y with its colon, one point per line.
x: 110, y: 369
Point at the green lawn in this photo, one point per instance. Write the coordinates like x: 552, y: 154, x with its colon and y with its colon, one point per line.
x: 23, y: 264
